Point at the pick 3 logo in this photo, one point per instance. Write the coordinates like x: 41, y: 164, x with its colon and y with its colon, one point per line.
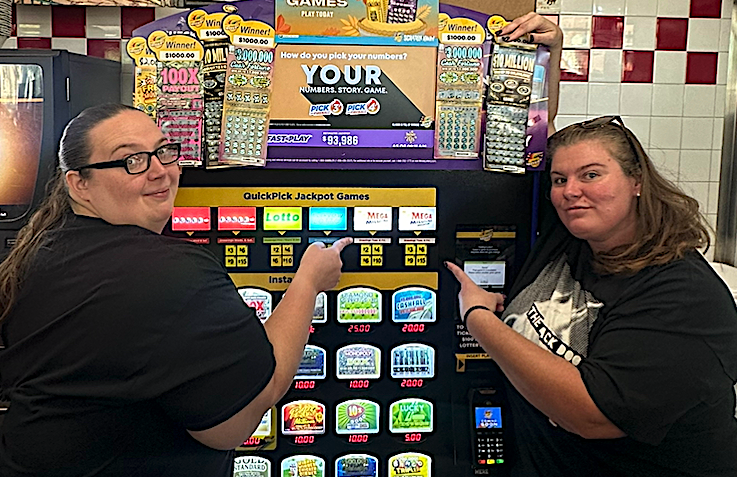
x: 336, y: 108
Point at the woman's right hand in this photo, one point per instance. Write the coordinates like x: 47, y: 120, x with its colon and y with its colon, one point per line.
x: 541, y: 30
x: 320, y: 266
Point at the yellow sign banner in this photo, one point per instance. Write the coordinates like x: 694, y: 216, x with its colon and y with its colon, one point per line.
x: 382, y: 281
x: 304, y: 197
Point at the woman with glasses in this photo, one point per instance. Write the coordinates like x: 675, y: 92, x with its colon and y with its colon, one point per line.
x: 618, y: 339
x: 127, y: 352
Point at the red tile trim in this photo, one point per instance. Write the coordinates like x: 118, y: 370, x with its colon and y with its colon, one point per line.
x: 637, y: 66
x: 30, y: 42
x: 68, y: 21
x: 701, y: 68
x: 607, y: 32
x: 706, y: 9
x: 672, y: 34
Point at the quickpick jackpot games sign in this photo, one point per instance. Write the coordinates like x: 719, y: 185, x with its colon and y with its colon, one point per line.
x: 353, y: 96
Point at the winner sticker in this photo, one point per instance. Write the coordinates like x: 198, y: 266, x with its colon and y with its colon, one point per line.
x: 359, y: 305
x: 357, y: 416
x: 300, y: 418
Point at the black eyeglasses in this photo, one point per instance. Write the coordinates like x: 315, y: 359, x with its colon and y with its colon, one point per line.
x: 617, y: 121
x: 139, y: 162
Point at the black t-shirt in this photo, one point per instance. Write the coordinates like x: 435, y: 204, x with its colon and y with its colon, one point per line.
x: 120, y: 341
x: 657, y: 352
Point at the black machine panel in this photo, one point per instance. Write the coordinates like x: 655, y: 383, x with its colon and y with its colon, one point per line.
x: 390, y: 379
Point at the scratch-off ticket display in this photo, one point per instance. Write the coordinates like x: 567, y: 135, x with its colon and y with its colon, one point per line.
x: 303, y: 466
x: 179, y: 89
x: 357, y: 416
x: 251, y: 466
x: 303, y: 418
x: 507, y: 103
x: 144, y: 86
x: 320, y: 313
x: 259, y: 300
x: 410, y: 464
x: 248, y: 83
x: 358, y: 361
x: 413, y: 305
x: 357, y: 465
x: 413, y: 360
x: 264, y: 437
x: 411, y: 415
x: 312, y: 365
x: 208, y: 28
x: 460, y: 84
x: 359, y: 305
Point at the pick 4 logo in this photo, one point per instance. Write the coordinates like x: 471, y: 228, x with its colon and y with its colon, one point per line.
x: 372, y: 106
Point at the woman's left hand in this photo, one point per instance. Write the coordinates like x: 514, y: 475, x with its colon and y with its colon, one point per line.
x: 541, y: 30
x: 473, y: 295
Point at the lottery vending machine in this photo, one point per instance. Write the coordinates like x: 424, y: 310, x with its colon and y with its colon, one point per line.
x: 390, y: 381
x: 372, y: 127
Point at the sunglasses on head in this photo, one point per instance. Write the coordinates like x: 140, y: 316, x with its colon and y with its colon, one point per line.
x: 602, y: 121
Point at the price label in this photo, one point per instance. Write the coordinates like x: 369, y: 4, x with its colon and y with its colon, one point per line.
x: 180, y: 55
x: 242, y: 40
x: 340, y: 139
x: 468, y: 38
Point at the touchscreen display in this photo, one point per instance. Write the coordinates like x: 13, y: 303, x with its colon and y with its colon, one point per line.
x: 21, y: 130
x: 488, y: 417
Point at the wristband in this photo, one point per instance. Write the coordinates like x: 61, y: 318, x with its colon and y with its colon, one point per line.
x: 475, y: 307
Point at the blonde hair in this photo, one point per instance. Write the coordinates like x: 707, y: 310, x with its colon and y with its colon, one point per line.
x: 669, y: 223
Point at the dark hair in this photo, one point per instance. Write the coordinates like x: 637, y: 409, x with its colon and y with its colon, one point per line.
x: 668, y: 221
x: 74, y: 151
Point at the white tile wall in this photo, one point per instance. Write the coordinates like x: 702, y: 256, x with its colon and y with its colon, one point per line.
x: 673, y: 8
x: 103, y: 22
x: 33, y: 20
x: 641, y: 7
x: 73, y: 45
x: 636, y: 100
x: 670, y: 67
x: 704, y: 34
x: 576, y: 6
x: 698, y: 100
x: 697, y: 133
x: 668, y: 99
x: 639, y: 33
x: 609, y: 7
x: 605, y: 66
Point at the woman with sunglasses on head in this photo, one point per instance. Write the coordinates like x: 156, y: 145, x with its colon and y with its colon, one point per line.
x: 127, y: 352
x: 618, y: 339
